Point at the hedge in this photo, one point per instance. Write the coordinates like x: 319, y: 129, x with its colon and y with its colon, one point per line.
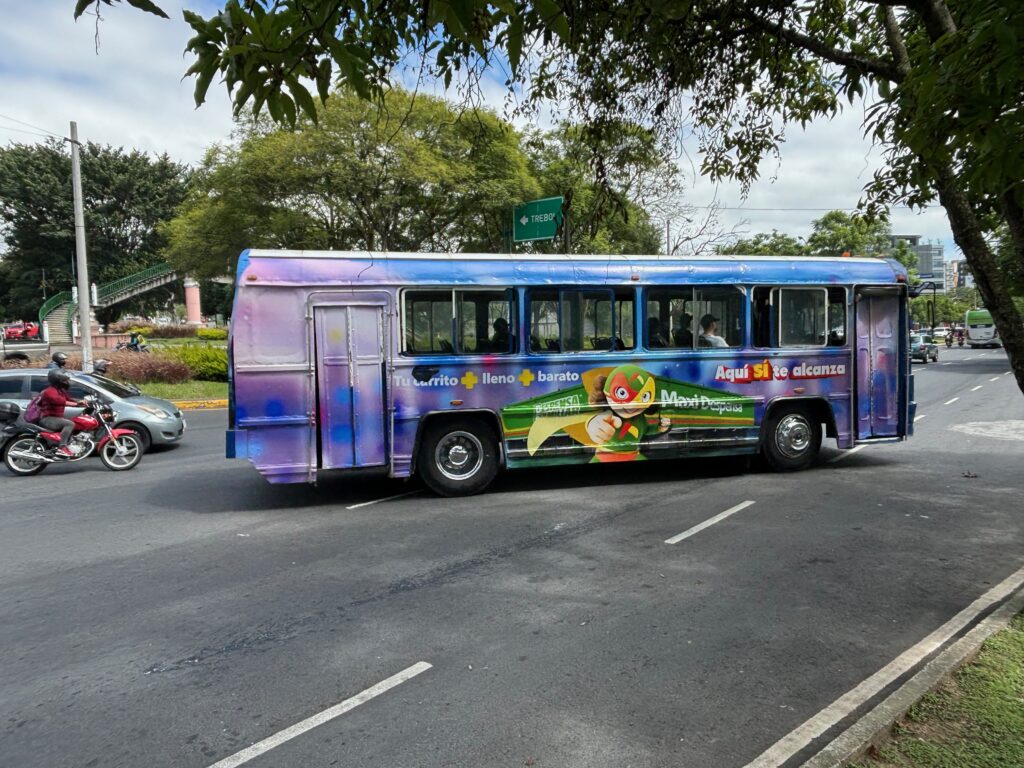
x: 206, y: 363
x: 211, y: 333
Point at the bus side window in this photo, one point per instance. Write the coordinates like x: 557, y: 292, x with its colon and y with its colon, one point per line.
x: 765, y: 318
x: 428, y: 322
x: 670, y: 321
x: 837, y: 317
x: 544, y: 326
x: 718, y: 311
x: 486, y: 322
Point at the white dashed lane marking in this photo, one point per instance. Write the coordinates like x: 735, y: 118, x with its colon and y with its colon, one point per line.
x: 309, y: 723
x: 950, y: 402
x: 708, y: 523
x: 378, y: 501
x: 844, y: 454
x: 975, y: 389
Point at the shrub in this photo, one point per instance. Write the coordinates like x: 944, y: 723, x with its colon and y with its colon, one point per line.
x: 141, y: 368
x: 206, y: 363
x: 211, y: 333
x: 173, y: 331
x: 145, y: 330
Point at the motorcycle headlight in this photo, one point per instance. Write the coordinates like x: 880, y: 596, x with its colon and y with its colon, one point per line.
x: 160, y: 413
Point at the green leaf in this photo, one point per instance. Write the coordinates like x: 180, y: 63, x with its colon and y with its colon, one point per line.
x: 323, y: 79
x: 515, y: 43
x: 302, y: 98
x: 81, y: 5
x: 203, y: 80
x: 148, y: 7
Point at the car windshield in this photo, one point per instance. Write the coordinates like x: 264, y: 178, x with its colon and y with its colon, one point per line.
x: 113, y: 387
x: 915, y: 339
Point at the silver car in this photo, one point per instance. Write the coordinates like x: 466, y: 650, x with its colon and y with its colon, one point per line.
x: 156, y: 421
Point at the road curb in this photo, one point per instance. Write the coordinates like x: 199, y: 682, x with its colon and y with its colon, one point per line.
x: 197, y: 405
x: 876, y: 724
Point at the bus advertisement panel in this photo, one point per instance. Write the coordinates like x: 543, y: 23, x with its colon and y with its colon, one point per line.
x: 455, y: 366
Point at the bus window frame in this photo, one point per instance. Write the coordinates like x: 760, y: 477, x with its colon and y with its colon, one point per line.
x: 513, y: 300
x: 559, y: 290
x: 775, y: 290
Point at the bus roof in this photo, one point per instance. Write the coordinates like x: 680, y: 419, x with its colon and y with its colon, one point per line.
x: 282, y: 267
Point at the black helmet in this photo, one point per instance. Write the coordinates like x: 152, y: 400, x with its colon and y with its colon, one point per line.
x: 101, y: 367
x: 60, y: 358
x: 58, y: 378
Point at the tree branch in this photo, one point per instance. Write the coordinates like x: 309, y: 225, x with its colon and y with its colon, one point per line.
x: 895, y: 39
x: 868, y: 64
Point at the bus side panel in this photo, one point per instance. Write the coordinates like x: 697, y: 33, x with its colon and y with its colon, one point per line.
x: 700, y: 401
x: 270, y: 383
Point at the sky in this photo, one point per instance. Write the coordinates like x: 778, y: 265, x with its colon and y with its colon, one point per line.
x: 129, y: 91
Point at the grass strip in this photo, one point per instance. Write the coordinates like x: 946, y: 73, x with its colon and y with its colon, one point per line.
x: 187, y: 390
x: 974, y: 719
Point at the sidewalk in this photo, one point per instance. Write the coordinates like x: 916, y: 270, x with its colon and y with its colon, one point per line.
x: 200, y: 405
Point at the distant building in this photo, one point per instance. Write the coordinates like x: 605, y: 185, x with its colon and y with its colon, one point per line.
x: 930, y: 261
x: 958, y: 275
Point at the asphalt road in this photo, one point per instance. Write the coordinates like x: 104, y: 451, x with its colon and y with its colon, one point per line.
x: 176, y: 614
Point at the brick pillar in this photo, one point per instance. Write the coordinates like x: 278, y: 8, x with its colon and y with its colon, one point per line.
x: 193, y: 307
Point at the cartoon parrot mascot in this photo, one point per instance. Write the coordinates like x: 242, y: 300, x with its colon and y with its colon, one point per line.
x: 619, y: 418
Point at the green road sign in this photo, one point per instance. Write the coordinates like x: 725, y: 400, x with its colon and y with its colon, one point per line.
x: 537, y: 220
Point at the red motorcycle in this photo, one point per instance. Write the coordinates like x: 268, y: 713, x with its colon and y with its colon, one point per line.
x: 29, y: 449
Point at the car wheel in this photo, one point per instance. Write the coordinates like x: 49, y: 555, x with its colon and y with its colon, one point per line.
x: 140, y: 431
x: 792, y: 438
x: 458, y: 457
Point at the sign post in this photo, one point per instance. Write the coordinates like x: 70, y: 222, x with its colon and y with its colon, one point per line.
x: 537, y: 220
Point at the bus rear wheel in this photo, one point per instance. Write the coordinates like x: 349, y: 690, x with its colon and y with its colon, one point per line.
x: 792, y: 438
x: 458, y: 457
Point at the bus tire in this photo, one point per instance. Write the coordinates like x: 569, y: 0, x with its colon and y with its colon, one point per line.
x: 458, y: 457
x: 792, y: 438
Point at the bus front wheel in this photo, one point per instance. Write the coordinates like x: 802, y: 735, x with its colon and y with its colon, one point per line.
x: 458, y: 457
x: 792, y: 438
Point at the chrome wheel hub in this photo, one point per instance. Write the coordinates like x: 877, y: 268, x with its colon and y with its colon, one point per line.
x: 459, y: 455
x: 793, y: 436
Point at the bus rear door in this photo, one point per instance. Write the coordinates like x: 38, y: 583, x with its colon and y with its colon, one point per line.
x: 878, y: 395
x: 350, y: 384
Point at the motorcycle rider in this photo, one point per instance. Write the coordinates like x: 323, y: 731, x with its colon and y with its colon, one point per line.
x: 101, y: 367
x: 52, y: 402
x: 58, y: 362
x: 960, y: 337
x: 136, y: 342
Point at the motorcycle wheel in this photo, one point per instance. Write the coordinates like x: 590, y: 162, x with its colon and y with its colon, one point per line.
x: 128, y: 458
x: 20, y: 466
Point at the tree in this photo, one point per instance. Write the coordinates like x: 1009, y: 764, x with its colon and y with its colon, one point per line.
x: 415, y: 175
x: 607, y: 201
x: 764, y: 244
x: 126, y: 195
x: 838, y: 232
x: 944, y: 79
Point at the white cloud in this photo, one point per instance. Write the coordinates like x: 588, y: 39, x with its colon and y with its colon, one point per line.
x: 132, y: 94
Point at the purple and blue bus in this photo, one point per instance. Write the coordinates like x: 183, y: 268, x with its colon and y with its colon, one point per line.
x: 454, y: 366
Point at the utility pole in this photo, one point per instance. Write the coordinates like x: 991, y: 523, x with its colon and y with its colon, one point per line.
x: 84, y: 315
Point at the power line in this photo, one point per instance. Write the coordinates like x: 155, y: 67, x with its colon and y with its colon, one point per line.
x: 22, y: 130
x: 816, y: 210
x: 30, y: 125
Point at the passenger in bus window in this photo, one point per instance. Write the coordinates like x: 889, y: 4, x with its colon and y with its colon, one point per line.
x: 683, y: 335
x: 709, y: 332
x: 501, y: 341
x: 655, y: 334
